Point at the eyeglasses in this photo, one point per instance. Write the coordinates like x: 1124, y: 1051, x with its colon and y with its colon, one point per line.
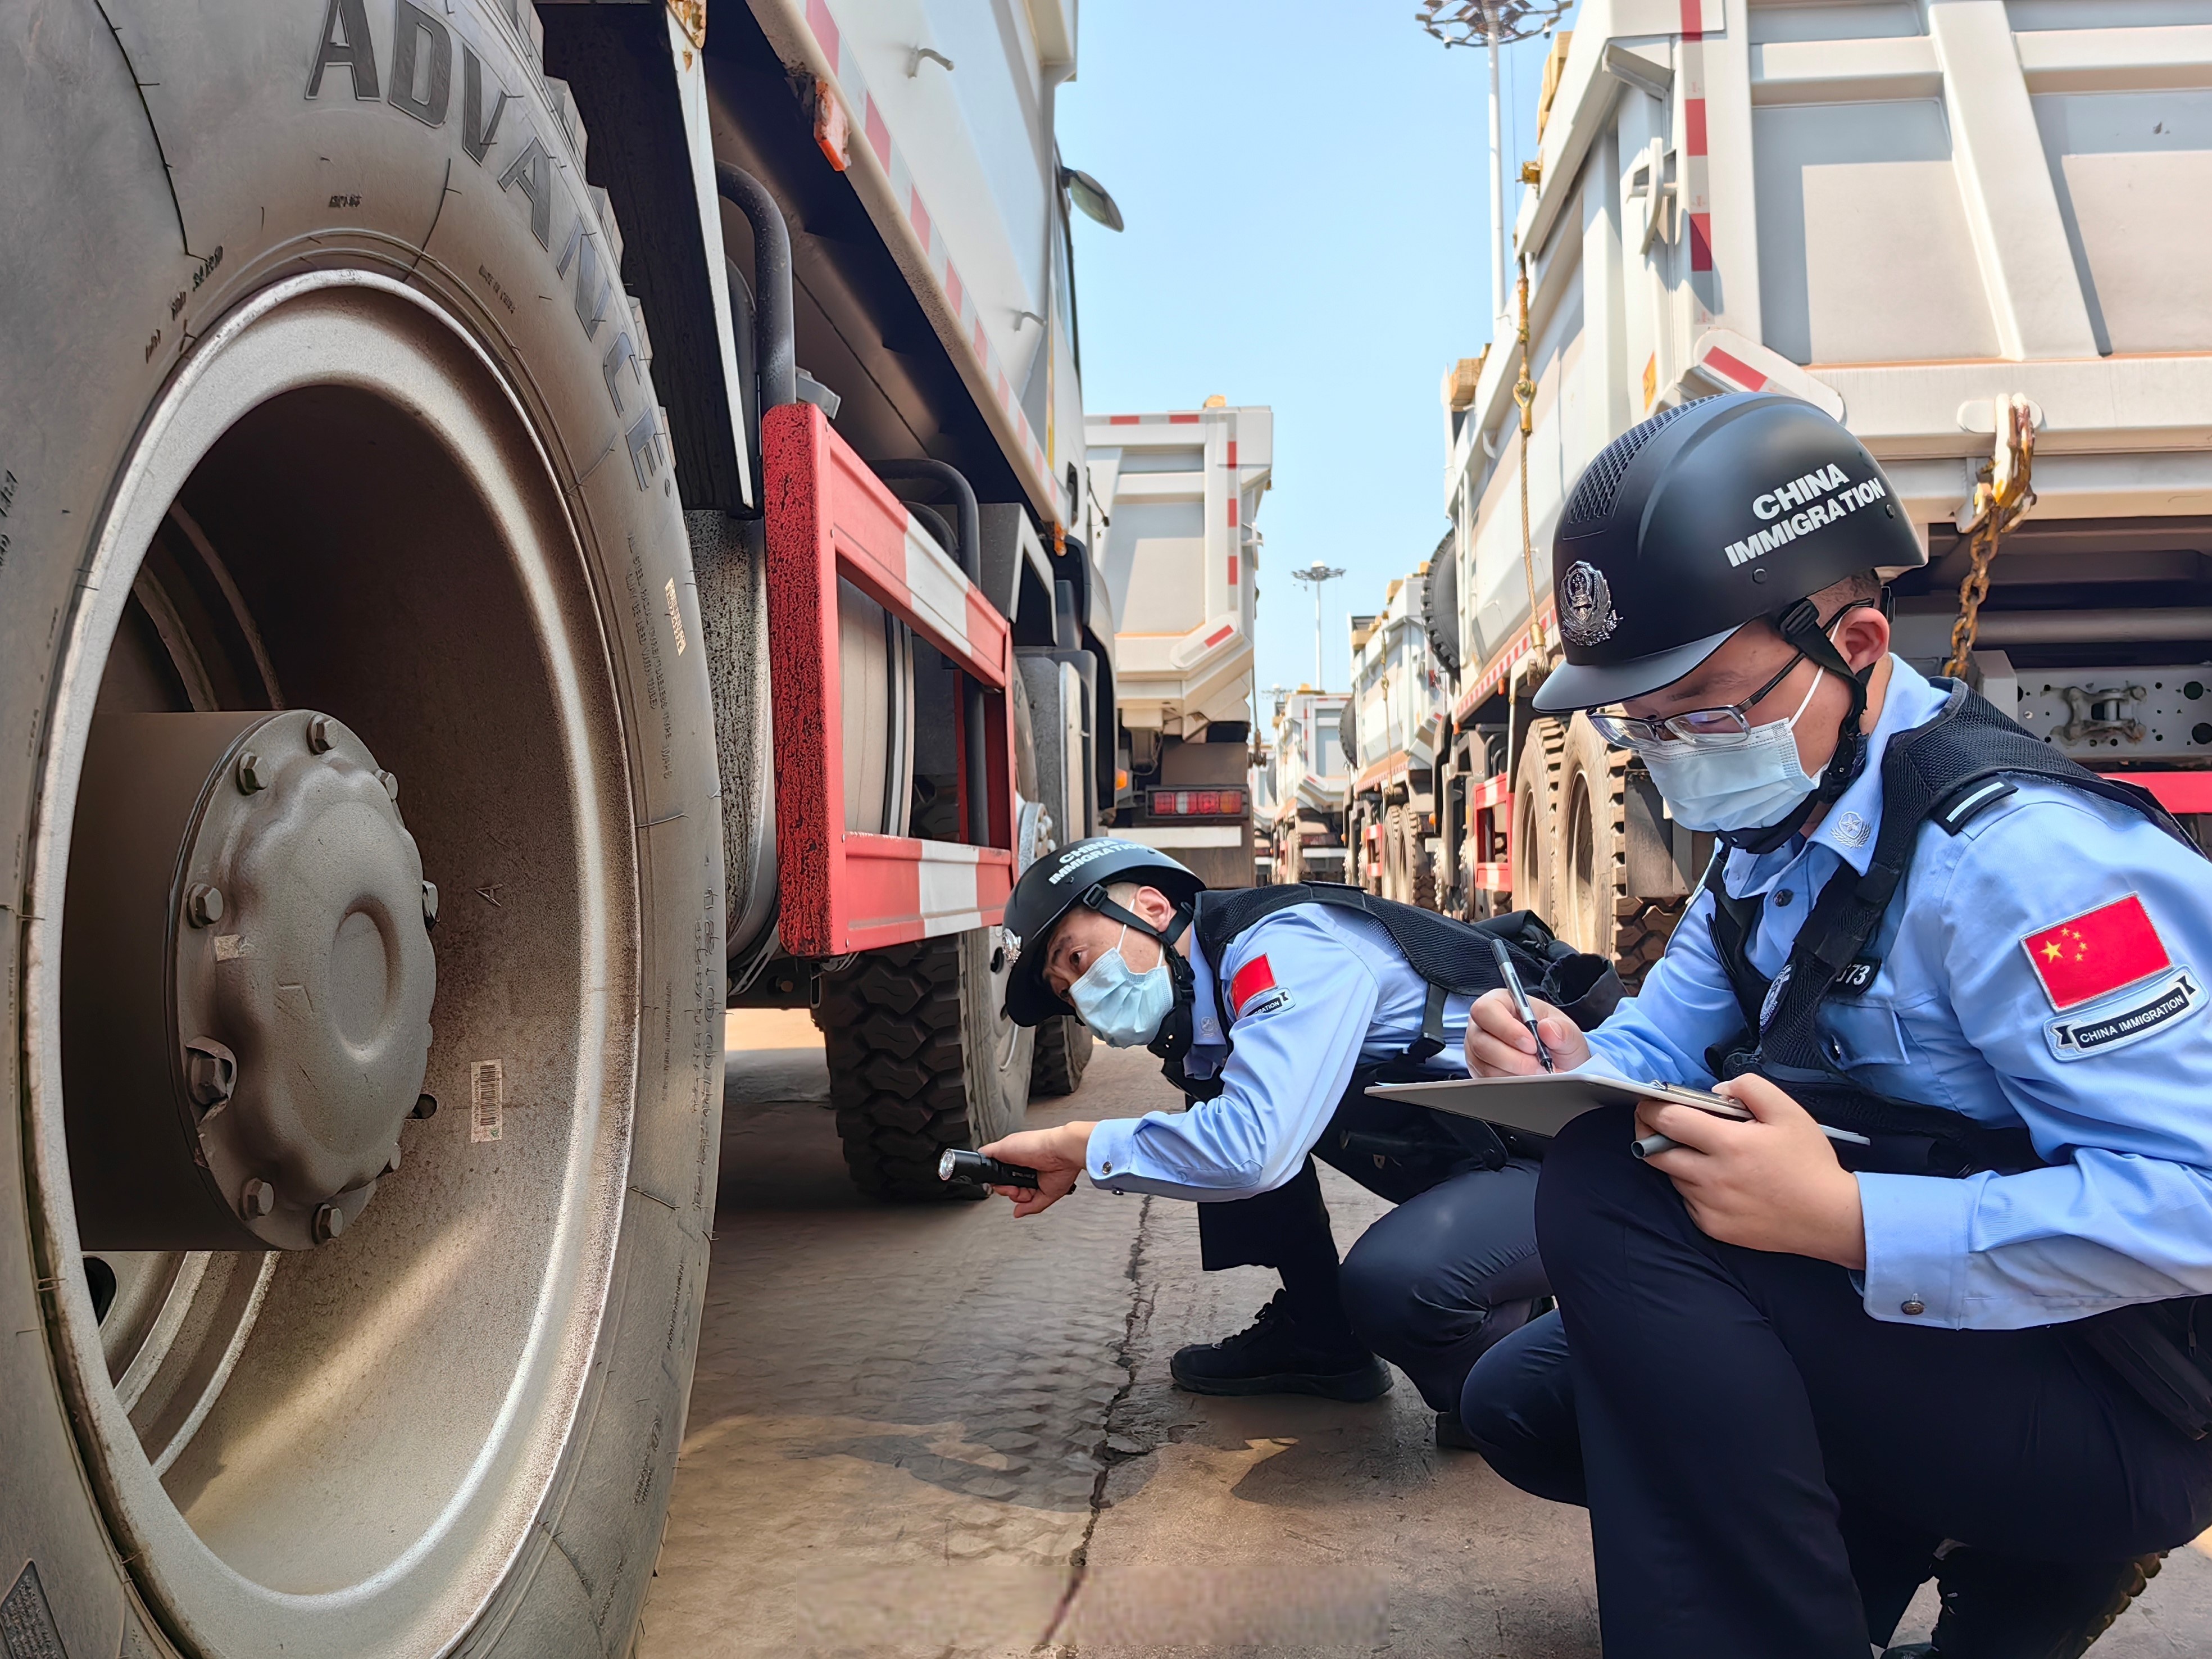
x: 1728, y: 720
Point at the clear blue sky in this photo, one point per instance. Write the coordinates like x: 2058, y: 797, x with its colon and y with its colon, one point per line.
x: 1309, y: 228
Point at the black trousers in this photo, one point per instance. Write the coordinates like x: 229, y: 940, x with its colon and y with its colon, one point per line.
x: 1765, y: 1464
x: 1429, y: 1286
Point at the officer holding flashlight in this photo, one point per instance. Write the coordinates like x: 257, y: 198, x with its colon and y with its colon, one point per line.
x: 1790, y: 1387
x: 1273, y: 1009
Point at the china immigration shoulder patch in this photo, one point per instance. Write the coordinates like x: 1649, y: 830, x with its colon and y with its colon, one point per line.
x: 2143, y: 1012
x: 1252, y: 990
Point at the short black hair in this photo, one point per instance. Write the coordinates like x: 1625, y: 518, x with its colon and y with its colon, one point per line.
x: 1864, y: 589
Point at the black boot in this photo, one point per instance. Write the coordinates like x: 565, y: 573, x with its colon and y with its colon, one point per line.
x: 1276, y: 1355
x: 1999, y: 1607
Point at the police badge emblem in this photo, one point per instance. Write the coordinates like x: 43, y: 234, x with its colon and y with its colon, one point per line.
x: 1852, y: 829
x: 1774, y: 991
x: 1586, y: 612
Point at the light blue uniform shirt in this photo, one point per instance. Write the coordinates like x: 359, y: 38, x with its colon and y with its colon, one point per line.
x: 1324, y: 990
x: 2116, y: 1093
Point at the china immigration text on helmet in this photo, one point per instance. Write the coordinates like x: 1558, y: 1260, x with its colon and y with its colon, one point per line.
x: 1707, y: 516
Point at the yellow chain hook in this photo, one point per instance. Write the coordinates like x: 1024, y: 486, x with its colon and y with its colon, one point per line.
x: 2002, y: 498
x: 1524, y: 393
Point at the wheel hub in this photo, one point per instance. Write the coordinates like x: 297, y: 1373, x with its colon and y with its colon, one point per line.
x: 248, y: 980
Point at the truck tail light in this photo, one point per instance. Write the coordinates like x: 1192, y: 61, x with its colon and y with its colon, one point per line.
x: 1197, y: 803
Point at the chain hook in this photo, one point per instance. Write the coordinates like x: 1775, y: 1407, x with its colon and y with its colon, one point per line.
x: 1524, y: 393
x: 2002, y: 497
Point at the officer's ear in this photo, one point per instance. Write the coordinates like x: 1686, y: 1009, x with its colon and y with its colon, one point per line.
x: 1862, y: 636
x: 1154, y: 906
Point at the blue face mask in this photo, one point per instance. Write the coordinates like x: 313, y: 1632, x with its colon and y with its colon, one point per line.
x: 1745, y: 780
x: 1125, y: 1007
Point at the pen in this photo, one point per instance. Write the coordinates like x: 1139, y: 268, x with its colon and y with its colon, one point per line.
x: 1521, y: 1000
x: 1652, y: 1146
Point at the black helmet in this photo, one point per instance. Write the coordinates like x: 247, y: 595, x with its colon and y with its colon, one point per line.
x: 1706, y: 516
x: 1078, y: 873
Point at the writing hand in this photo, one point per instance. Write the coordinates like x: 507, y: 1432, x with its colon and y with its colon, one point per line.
x: 1498, y: 1044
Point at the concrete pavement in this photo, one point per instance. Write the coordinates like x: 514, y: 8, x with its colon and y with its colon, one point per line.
x: 934, y: 1431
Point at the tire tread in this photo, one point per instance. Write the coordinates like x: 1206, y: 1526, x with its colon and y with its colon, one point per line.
x: 1063, y: 1053
x: 893, y: 1021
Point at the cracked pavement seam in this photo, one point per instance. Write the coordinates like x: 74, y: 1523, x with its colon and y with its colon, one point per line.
x: 1141, y: 1297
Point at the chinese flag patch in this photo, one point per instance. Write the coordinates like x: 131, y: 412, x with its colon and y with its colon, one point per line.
x: 2081, y: 958
x: 1253, y: 978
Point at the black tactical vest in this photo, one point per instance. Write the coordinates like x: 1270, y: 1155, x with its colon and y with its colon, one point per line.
x: 1950, y: 770
x: 1453, y: 957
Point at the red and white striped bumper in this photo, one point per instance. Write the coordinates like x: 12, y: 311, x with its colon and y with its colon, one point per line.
x: 829, y: 516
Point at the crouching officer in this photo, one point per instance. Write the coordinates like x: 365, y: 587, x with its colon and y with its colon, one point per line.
x: 1273, y: 1010
x: 1789, y: 1372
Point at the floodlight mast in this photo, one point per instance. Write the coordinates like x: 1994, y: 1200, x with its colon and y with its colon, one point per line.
x: 1496, y: 23
x: 1316, y: 574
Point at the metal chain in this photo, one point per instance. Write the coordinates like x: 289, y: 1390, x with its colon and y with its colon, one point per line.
x: 1524, y: 393
x: 2002, y: 497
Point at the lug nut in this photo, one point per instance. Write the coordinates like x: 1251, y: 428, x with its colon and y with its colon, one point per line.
x: 429, y: 904
x: 391, y: 1163
x: 204, y: 905
x: 425, y: 1106
x: 210, y: 1070
x: 253, y: 775
x: 329, y: 1222
x: 390, y: 783
x: 318, y: 734
x: 258, y: 1199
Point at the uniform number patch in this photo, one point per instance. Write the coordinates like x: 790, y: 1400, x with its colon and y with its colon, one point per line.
x: 1252, y: 990
x: 1857, y: 977
x: 2173, y: 995
x: 2089, y: 955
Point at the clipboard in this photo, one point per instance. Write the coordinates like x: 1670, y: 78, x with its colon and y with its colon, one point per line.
x: 1545, y: 1102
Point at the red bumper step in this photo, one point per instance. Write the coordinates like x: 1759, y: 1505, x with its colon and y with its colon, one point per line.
x: 830, y: 516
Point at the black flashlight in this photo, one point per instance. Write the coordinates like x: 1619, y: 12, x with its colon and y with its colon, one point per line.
x: 958, y: 1164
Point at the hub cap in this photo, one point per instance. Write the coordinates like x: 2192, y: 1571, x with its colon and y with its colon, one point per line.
x: 248, y: 988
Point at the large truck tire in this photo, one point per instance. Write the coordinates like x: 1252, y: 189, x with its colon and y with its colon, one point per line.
x: 923, y: 1058
x: 1397, y: 874
x: 306, y: 417
x: 1535, y: 816
x: 1639, y: 938
x: 1366, y: 871
x: 1596, y: 910
x: 1420, y: 862
x: 1063, y: 1054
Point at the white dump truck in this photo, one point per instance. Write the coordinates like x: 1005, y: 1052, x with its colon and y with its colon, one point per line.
x: 1180, y: 554
x: 1961, y: 227
x: 602, y: 481
x: 1310, y: 781
x: 1401, y: 703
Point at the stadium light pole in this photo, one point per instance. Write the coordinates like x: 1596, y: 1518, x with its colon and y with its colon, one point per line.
x: 1494, y: 24
x: 1315, y: 574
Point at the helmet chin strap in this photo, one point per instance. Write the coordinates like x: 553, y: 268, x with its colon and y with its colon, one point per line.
x: 1801, y: 628
x: 1173, y: 1040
